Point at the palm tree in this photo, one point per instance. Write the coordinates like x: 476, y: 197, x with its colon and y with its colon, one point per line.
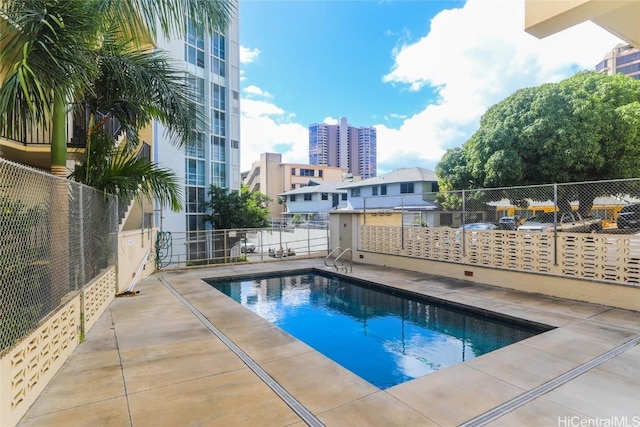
x: 116, y: 171
x: 121, y: 92
x: 52, y: 50
x: 56, y: 53
x: 45, y: 57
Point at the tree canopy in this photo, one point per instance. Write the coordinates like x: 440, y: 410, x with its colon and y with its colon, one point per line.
x: 229, y: 210
x: 584, y: 128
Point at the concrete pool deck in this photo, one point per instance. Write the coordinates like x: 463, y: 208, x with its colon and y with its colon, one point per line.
x: 155, y: 359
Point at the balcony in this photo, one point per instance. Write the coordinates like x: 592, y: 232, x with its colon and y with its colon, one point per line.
x: 31, y: 145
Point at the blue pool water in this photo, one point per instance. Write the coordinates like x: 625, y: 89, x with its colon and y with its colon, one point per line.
x: 384, y: 338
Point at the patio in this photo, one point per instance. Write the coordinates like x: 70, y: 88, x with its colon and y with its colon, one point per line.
x: 165, y: 357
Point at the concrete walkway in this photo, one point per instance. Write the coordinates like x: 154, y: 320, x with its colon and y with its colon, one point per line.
x: 155, y: 360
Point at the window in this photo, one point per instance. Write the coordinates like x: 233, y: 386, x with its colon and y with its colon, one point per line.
x: 308, y: 197
x: 218, y: 55
x: 628, y: 69
x: 325, y: 196
x: 217, y: 46
x: 293, y: 171
x: 235, y: 144
x: 374, y: 190
x: 195, y: 146
x: 195, y: 223
x: 218, y: 118
x: 218, y: 151
x: 446, y: 219
x: 627, y: 58
x: 320, y: 173
x: 195, y: 199
x: 343, y: 196
x: 218, y: 97
x: 602, y: 65
x: 406, y: 187
x: 355, y: 192
x: 196, y: 85
x: 195, y: 172
x: 383, y: 190
x: 219, y: 174
x: 292, y: 198
x: 194, y: 46
x: 217, y: 66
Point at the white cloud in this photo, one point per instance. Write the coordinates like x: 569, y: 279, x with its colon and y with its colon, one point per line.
x: 476, y: 56
x: 256, y: 91
x: 330, y: 121
x: 265, y: 127
x: 248, y: 55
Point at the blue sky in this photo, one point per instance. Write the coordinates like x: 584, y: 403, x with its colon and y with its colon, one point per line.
x: 422, y: 72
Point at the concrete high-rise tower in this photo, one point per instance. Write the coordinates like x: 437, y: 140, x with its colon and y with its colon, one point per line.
x: 623, y: 59
x: 344, y: 146
x: 212, y: 64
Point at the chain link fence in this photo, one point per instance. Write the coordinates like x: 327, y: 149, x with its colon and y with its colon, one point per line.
x: 599, y: 206
x: 175, y: 250
x: 55, y: 237
x: 587, y: 229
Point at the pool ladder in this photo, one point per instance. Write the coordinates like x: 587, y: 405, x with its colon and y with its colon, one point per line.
x: 338, y: 262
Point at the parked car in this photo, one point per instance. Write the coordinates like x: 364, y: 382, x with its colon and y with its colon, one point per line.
x: 510, y: 222
x: 247, y: 247
x: 629, y: 216
x: 567, y: 221
x: 481, y: 226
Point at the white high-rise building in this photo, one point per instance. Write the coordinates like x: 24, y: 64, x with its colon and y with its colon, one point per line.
x: 212, y: 64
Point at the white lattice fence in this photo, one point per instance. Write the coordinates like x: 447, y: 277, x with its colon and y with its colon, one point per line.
x: 601, y: 257
x: 613, y: 258
x: 381, y: 239
x: 29, y: 366
x: 98, y: 295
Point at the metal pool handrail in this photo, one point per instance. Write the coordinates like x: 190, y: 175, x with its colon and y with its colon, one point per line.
x: 342, y: 266
x: 329, y: 256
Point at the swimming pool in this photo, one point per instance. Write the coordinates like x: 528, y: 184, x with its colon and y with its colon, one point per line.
x: 385, y: 337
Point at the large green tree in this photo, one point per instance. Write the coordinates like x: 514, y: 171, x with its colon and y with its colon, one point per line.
x: 231, y: 209
x: 584, y: 128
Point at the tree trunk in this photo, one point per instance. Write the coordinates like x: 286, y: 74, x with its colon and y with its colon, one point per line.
x: 59, y: 203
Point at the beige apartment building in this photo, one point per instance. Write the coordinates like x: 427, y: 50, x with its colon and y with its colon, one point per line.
x: 272, y: 177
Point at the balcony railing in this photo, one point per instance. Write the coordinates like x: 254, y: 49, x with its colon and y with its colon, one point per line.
x: 77, y: 123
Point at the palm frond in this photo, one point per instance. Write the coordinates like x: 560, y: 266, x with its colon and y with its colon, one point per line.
x: 136, y: 86
x: 47, y: 53
x: 114, y: 171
